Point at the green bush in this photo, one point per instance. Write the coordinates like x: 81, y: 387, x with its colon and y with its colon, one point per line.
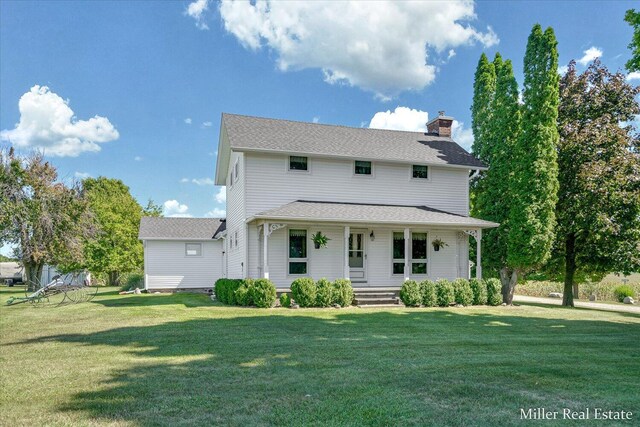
x: 494, y: 291
x: 242, y: 295
x: 225, y: 290
x: 324, y: 293
x: 464, y: 294
x: 342, y: 293
x: 303, y: 291
x: 263, y: 293
x: 479, y: 289
x: 410, y: 293
x: 445, y: 293
x: 132, y: 281
x: 285, y: 300
x: 623, y: 291
x: 428, y: 291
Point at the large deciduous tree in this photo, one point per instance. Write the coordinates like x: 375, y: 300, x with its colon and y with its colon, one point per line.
x: 633, y: 18
x: 492, y: 190
x: 116, y: 248
x: 534, y: 183
x: 598, y: 210
x: 44, y: 219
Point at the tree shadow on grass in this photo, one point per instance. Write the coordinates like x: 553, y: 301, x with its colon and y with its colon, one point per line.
x: 351, y: 367
x: 145, y: 300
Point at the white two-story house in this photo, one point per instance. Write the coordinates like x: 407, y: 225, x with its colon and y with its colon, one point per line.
x: 393, y: 204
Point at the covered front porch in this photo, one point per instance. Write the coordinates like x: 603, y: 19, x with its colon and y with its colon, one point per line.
x: 372, y: 245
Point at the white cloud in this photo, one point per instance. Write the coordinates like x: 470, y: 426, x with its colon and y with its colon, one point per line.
x: 562, y: 70
x: 589, y: 55
x: 316, y: 119
x: 402, y: 118
x: 82, y: 175
x: 207, y: 124
x: 196, y: 10
x: 188, y: 120
x: 173, y: 208
x: 183, y: 180
x: 463, y: 136
x: 48, y: 124
x: 451, y: 54
x: 198, y: 181
x: 633, y: 76
x: 137, y: 158
x: 221, y: 195
x: 216, y: 213
x: 379, y: 46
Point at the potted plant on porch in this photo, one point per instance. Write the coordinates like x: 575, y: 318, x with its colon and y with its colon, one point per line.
x: 319, y: 240
x: 439, y: 243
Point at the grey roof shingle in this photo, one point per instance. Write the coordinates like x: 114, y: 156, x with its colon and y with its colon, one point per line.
x: 181, y: 228
x: 370, y: 213
x: 246, y: 133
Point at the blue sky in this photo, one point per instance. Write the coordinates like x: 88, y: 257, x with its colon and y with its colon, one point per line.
x: 159, y: 74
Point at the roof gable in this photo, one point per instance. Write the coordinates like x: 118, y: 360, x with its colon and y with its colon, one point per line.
x: 152, y: 228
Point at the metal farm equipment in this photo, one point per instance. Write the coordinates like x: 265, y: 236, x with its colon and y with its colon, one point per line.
x: 63, y: 289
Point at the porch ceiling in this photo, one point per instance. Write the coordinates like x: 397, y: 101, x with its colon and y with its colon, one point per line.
x: 316, y: 211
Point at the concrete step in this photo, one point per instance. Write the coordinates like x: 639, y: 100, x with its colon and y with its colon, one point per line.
x: 375, y: 301
x: 375, y: 295
x: 380, y: 305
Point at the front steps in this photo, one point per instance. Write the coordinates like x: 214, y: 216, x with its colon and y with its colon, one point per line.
x: 376, y: 298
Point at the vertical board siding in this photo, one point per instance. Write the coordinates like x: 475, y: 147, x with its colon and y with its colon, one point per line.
x: 169, y: 268
x: 236, y: 262
x: 269, y: 184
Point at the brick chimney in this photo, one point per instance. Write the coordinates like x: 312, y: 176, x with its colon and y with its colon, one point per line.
x: 441, y: 125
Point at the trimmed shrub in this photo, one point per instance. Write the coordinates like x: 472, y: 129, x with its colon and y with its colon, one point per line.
x: 225, y: 290
x: 263, y: 293
x: 285, y: 300
x: 410, y: 293
x: 342, y: 293
x: 428, y: 291
x: 445, y: 293
x: 464, y: 294
x: 494, y: 291
x: 303, y: 291
x: 623, y: 291
x: 324, y: 293
x: 479, y: 289
x: 242, y: 295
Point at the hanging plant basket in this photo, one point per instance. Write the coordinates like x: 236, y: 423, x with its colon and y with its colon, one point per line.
x: 439, y: 243
x: 319, y: 240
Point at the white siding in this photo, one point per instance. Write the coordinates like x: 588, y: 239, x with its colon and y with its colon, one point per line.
x: 236, y: 255
x: 167, y: 266
x: 269, y: 184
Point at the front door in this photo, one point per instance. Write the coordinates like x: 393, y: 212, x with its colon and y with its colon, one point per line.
x: 357, y: 257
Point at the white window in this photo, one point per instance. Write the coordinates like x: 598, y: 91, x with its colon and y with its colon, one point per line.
x: 298, y: 163
x: 419, y: 172
x: 397, y: 252
x: 235, y: 237
x: 298, y: 252
x: 193, y: 249
x: 418, y: 253
x: 362, y: 167
x: 235, y: 171
x: 231, y: 178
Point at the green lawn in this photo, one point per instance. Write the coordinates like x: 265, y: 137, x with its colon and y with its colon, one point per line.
x: 181, y: 359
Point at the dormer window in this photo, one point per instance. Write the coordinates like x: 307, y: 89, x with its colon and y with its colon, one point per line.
x: 420, y: 172
x: 298, y: 163
x: 363, y: 168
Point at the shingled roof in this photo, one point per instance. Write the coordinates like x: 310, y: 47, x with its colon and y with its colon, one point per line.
x: 303, y: 210
x: 246, y: 133
x: 152, y: 228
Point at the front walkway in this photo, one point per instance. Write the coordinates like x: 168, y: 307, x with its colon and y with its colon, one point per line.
x: 627, y: 308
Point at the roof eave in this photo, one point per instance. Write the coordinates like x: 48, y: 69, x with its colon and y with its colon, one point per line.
x: 484, y: 224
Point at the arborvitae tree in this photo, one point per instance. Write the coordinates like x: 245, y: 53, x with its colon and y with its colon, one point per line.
x: 492, y: 199
x: 534, y: 183
x: 484, y: 87
x: 599, y: 172
x: 633, y: 18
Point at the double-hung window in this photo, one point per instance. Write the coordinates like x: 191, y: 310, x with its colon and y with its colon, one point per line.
x: 398, y: 253
x: 298, y: 163
x: 298, y: 252
x: 193, y: 249
x: 362, y: 167
x: 418, y: 253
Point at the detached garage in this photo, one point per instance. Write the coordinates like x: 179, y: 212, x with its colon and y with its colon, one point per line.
x: 182, y: 253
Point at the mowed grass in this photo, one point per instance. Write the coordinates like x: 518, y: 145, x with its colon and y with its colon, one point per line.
x: 184, y: 360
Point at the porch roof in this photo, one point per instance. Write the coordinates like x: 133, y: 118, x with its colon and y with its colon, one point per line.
x: 316, y: 211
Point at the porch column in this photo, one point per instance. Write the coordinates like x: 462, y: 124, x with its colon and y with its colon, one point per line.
x: 407, y: 248
x: 265, y: 246
x: 347, y: 232
x: 479, y: 254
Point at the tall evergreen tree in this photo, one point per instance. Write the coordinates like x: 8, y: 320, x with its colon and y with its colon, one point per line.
x: 534, y: 183
x: 484, y: 87
x: 492, y: 192
x: 599, y: 172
